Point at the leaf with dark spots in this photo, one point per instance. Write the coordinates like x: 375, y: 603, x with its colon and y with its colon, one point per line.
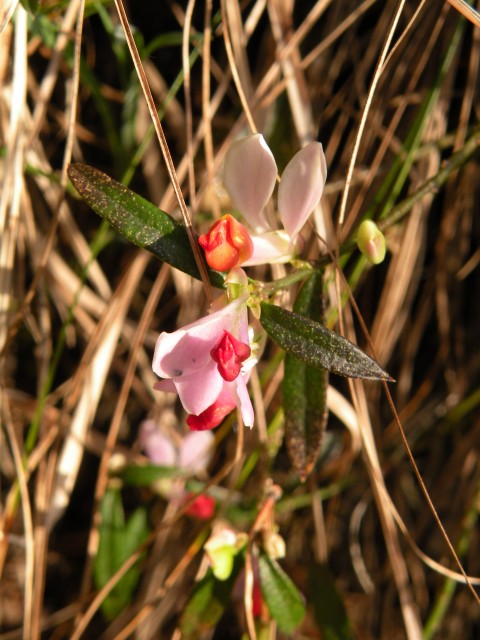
x: 138, y: 220
x: 317, y: 346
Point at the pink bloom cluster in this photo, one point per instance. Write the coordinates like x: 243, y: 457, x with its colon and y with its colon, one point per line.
x: 208, y: 362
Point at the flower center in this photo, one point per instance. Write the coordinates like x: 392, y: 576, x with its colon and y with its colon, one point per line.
x: 229, y: 353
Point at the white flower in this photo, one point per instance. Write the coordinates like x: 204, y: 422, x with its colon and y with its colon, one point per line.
x: 249, y: 177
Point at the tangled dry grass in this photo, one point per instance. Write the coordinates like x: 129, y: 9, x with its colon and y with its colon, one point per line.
x: 391, y: 90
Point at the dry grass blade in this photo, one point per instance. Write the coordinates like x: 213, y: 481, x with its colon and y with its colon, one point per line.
x: 391, y: 91
x: 114, y: 429
x: 7, y: 8
x: 51, y: 76
x: 27, y: 524
x: 164, y: 146
x: 466, y: 10
x: 371, y: 92
x: 12, y: 183
x: 92, y: 380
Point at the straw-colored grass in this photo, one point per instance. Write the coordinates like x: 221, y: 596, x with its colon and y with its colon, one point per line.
x: 391, y: 90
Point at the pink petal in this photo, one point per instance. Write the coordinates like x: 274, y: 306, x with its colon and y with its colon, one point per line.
x: 272, y: 247
x: 167, y: 386
x: 301, y: 187
x: 157, y: 446
x: 187, y: 350
x: 196, y: 451
x: 249, y: 177
x: 199, y: 390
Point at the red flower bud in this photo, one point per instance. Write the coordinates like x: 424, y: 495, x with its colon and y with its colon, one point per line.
x: 202, y: 508
x: 227, y: 244
x: 229, y: 353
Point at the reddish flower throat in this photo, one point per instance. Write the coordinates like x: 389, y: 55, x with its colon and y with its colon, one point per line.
x: 229, y: 353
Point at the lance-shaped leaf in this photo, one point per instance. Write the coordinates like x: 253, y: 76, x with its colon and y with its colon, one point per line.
x: 208, y: 602
x: 147, y: 474
x: 305, y: 389
x: 119, y: 539
x: 284, y: 602
x: 328, y: 607
x: 317, y: 346
x: 138, y: 220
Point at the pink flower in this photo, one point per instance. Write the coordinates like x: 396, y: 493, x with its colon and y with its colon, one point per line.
x: 249, y: 176
x: 193, y: 453
x: 202, y: 362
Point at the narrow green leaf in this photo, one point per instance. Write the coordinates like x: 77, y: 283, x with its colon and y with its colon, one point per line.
x: 282, y: 597
x: 138, y: 220
x: 146, y: 475
x: 118, y: 540
x: 317, y: 346
x: 305, y: 389
x: 328, y: 607
x: 208, y: 603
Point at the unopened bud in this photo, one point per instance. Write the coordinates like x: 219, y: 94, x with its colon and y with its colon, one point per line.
x: 274, y: 545
x: 221, y: 549
x: 227, y: 244
x: 371, y: 242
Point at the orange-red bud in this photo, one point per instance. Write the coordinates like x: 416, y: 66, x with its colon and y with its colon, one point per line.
x: 227, y: 244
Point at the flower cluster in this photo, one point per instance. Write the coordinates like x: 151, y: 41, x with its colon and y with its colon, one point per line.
x: 208, y: 362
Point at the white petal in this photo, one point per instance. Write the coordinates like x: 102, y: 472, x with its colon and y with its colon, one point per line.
x: 246, y: 408
x: 301, y: 187
x: 196, y: 451
x: 249, y: 177
x: 273, y: 247
x: 158, y: 447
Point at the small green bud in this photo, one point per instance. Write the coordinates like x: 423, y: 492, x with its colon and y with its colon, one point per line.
x: 221, y: 549
x: 371, y: 242
x: 274, y: 545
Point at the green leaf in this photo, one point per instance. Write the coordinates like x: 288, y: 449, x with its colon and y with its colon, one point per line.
x: 138, y: 220
x: 147, y: 474
x: 328, y: 607
x: 208, y: 603
x: 317, y: 346
x: 118, y: 541
x: 305, y: 390
x: 282, y: 597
